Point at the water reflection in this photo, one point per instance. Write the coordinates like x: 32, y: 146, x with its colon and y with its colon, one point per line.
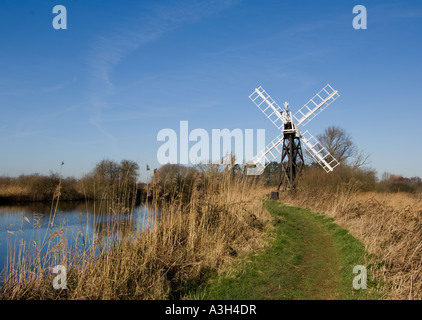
x: 78, y: 222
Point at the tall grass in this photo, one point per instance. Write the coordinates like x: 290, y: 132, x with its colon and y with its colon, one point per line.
x: 193, y: 236
x: 388, y: 224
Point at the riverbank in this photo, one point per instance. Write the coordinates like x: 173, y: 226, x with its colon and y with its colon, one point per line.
x: 18, y: 194
x: 193, y: 237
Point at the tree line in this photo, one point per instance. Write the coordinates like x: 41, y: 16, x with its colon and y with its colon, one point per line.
x: 108, y: 180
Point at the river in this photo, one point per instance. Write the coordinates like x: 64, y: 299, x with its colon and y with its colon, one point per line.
x: 22, y: 224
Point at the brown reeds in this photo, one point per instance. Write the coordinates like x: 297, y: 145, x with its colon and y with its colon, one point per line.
x: 190, y: 238
x: 388, y: 224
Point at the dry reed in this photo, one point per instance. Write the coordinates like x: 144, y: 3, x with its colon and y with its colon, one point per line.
x: 389, y: 225
x: 222, y: 218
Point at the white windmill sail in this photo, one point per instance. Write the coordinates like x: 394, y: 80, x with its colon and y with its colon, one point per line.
x: 314, y: 106
x: 269, y: 107
x: 271, y: 152
x: 319, y: 153
x: 287, y: 124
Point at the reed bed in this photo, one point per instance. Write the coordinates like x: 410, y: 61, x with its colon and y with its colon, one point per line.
x: 195, y: 234
x: 388, y: 224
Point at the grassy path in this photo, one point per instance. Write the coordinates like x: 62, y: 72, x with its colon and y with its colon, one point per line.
x: 310, y: 257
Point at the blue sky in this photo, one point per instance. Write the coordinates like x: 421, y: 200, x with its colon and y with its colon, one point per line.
x: 123, y: 71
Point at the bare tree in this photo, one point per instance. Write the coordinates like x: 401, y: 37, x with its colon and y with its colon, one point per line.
x: 360, y: 159
x: 337, y: 142
x: 340, y: 144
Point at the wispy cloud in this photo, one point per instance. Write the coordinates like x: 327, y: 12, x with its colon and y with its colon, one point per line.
x: 108, y: 51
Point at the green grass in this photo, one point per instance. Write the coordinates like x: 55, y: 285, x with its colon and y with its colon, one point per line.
x: 309, y: 257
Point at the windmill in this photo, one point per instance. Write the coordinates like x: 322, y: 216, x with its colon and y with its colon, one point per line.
x: 288, y: 144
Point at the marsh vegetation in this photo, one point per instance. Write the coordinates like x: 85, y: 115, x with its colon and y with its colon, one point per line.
x: 211, y: 217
